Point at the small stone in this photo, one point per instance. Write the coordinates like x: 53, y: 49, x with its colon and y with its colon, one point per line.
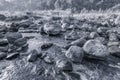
x: 2, y: 55
x: 48, y: 59
x: 93, y: 47
x: 94, y: 35
x: 64, y: 65
x: 4, y: 48
x: 20, y: 42
x: 101, y: 30
x: 46, y: 45
x: 14, y: 27
x: 110, y: 43
x: 73, y: 76
x: 75, y: 54
x: 52, y: 29
x: 79, y: 42
x: 101, y: 40
x: 3, y: 42
x: 12, y: 56
x: 32, y: 56
x: 2, y: 17
x: 114, y: 50
x: 113, y: 37
x: 11, y: 37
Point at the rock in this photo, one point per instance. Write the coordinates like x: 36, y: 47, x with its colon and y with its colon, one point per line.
x: 73, y: 35
x: 52, y: 28
x: 94, y: 35
x: 2, y: 55
x: 113, y: 37
x: 47, y: 45
x: 3, y: 42
x: 4, y: 48
x: 95, y: 48
x: 64, y: 65
x: 11, y: 37
x: 75, y: 54
x: 2, y: 17
x: 102, y: 30
x: 112, y: 43
x: 12, y: 56
x: 114, y: 50
x: 14, y: 27
x: 2, y: 35
x: 79, y: 42
x: 3, y: 29
x: 20, y: 42
x: 65, y: 26
x: 101, y: 40
x: 32, y: 56
x: 48, y: 60
x: 74, y: 76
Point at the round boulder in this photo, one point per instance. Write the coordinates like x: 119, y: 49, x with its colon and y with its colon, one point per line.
x: 95, y: 48
x: 75, y: 53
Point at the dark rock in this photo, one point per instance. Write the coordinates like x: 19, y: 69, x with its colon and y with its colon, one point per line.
x: 94, y: 35
x: 52, y: 28
x: 3, y: 42
x: 75, y: 54
x: 2, y: 17
x: 26, y: 24
x: 74, y: 76
x: 14, y: 27
x: 11, y: 37
x: 46, y: 45
x: 2, y: 55
x: 20, y: 42
x: 93, y: 47
x: 12, y: 56
x: 64, y: 65
x: 2, y: 35
x: 32, y: 56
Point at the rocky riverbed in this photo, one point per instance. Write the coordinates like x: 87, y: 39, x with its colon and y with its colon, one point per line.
x: 59, y: 48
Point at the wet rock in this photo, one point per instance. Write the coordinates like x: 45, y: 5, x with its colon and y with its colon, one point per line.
x: 64, y: 65
x: 114, y: 50
x: 2, y: 17
x: 3, y: 42
x: 94, y: 35
x: 93, y: 47
x: 75, y: 54
x: 2, y: 55
x: 45, y: 46
x: 52, y: 28
x: 12, y: 56
x: 20, y: 42
x: 32, y: 56
x: 48, y: 59
x: 11, y: 37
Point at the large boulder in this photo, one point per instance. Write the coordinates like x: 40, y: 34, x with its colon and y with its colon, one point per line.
x: 95, y: 48
x: 11, y: 37
x: 75, y: 54
x: 52, y: 28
